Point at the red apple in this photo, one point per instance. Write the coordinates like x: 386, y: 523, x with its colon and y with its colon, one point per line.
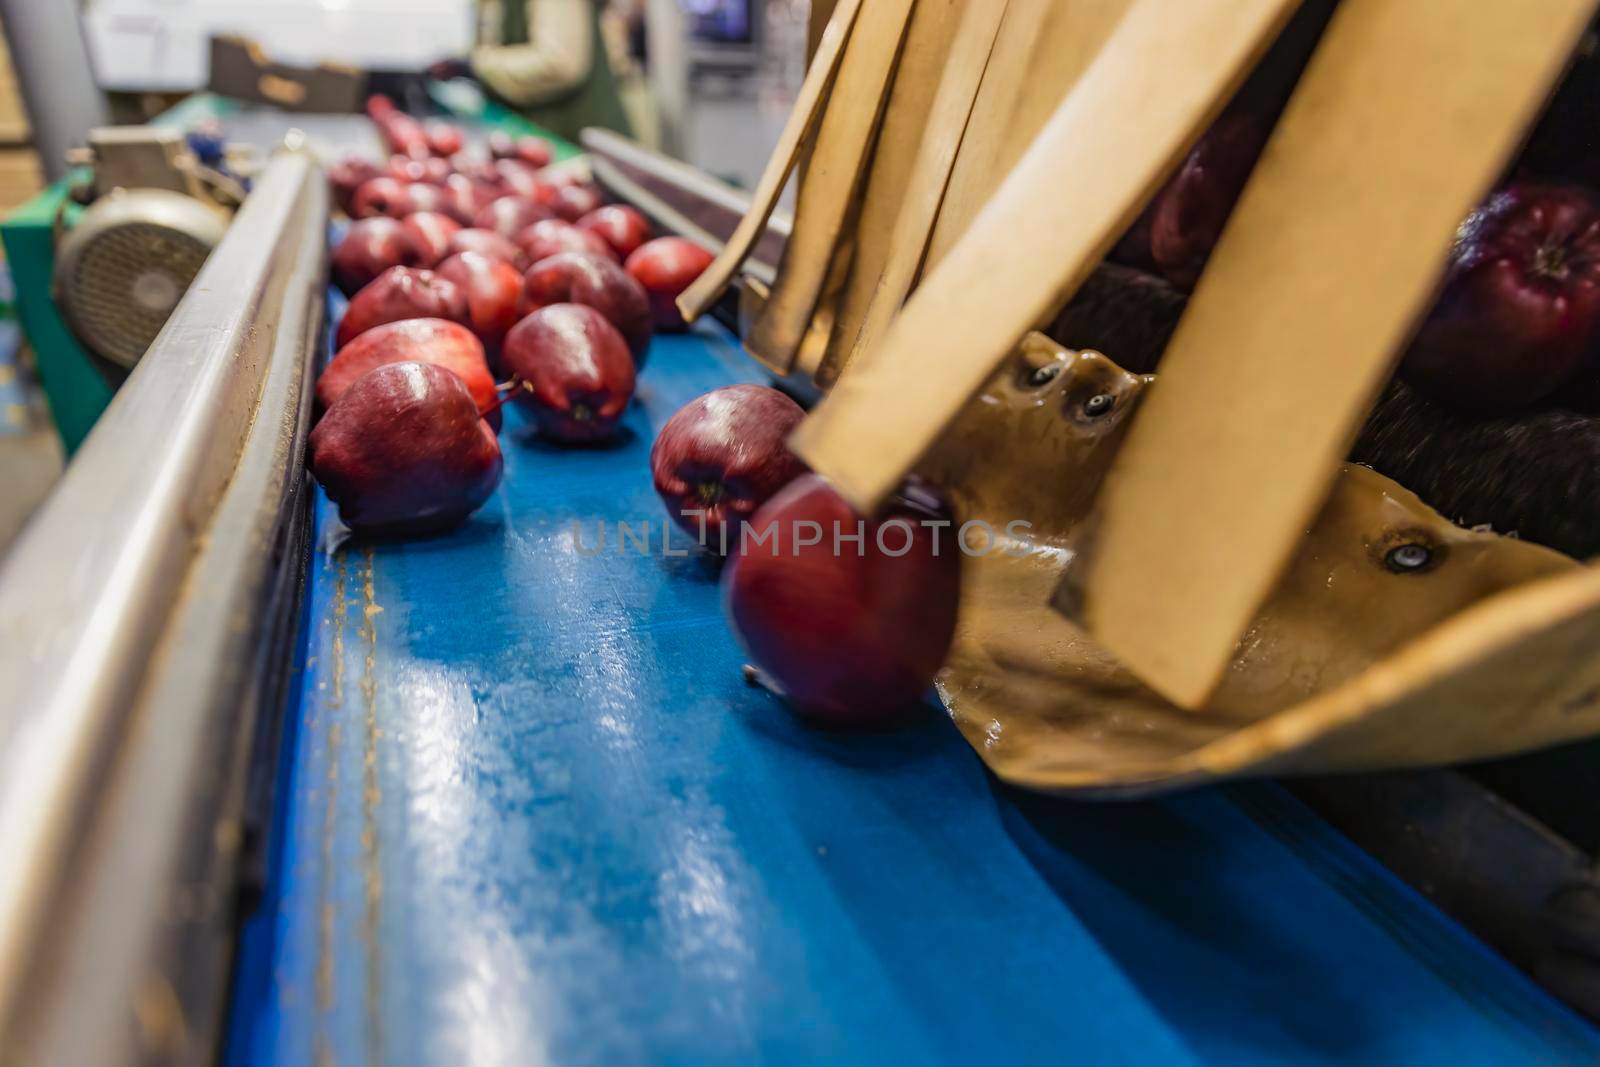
x: 597, y: 281
x: 551, y: 237
x: 573, y: 372
x: 444, y: 344
x: 401, y: 293
x: 348, y: 175
x: 519, y: 179
x: 622, y: 227
x: 430, y: 171
x: 487, y: 243
x: 431, y: 232
x: 573, y: 202
x: 510, y: 215
x: 501, y: 145
x: 384, y: 195
x: 534, y: 151
x: 722, y: 456
x: 1520, y: 310
x: 370, y: 247
x: 403, y: 451
x: 494, y: 295
x: 464, y: 198
x: 444, y: 139
x: 851, y: 634
x: 1187, y: 216
x: 666, y: 267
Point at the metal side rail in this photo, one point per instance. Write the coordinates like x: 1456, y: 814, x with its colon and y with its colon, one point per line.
x: 141, y: 621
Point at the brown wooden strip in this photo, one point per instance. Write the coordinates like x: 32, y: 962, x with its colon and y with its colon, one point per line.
x: 923, y: 65
x: 1406, y: 115
x: 829, y: 188
x: 1093, y: 166
x: 709, y: 287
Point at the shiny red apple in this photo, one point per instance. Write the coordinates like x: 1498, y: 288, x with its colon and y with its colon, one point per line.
x: 494, y: 295
x: 401, y: 293
x: 622, y: 227
x: 444, y: 344
x: 572, y: 372
x: 510, y: 215
x: 1520, y: 312
x: 723, y: 455
x: 551, y: 237
x: 488, y: 243
x: 666, y: 267
x: 370, y: 247
x: 534, y: 151
x: 429, y: 171
x: 851, y: 634
x: 404, y: 451
x: 573, y: 202
x: 583, y: 278
x: 444, y: 139
x: 348, y: 175
x: 384, y: 195
x: 431, y: 232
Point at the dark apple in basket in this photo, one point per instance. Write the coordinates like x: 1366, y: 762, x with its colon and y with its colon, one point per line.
x: 848, y: 634
x: 571, y: 371
x: 722, y: 456
x: 1520, y: 312
x: 404, y: 451
x: 401, y: 293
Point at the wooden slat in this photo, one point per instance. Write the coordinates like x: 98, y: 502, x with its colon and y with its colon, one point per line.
x: 1047, y: 45
x: 1406, y: 115
x: 1093, y: 165
x: 974, y: 177
x: 905, y: 124
x: 832, y: 178
x: 803, y: 120
x: 924, y: 192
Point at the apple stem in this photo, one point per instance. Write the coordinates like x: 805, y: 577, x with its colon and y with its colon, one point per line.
x: 507, y: 390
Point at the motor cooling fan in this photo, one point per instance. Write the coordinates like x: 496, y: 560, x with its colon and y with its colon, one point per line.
x: 155, y: 216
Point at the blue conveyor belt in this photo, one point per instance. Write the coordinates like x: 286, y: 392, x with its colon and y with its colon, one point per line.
x: 531, y: 814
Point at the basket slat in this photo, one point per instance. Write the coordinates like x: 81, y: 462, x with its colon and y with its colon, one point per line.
x: 829, y: 188
x: 924, y: 192
x: 714, y: 281
x: 1404, y: 118
x: 1043, y: 49
x: 928, y: 44
x: 1078, y: 187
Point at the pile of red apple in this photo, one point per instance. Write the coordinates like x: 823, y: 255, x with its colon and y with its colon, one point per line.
x: 476, y: 278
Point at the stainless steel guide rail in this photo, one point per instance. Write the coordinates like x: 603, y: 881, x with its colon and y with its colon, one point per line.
x: 138, y: 617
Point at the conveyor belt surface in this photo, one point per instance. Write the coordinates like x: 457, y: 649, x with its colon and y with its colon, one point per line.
x: 531, y: 814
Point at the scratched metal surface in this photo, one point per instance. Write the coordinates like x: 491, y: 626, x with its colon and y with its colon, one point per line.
x: 531, y: 815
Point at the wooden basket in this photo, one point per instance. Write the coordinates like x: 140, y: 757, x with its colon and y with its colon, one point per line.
x: 966, y: 166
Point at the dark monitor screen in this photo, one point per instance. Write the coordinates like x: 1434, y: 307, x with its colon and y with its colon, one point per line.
x: 721, y: 21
